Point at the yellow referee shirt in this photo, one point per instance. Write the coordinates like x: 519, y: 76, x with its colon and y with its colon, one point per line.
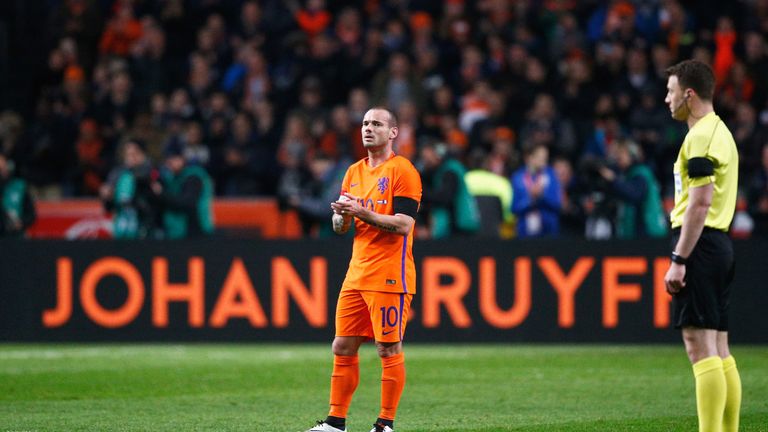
x: 709, y: 138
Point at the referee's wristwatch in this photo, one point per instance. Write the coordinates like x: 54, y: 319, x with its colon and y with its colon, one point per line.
x: 677, y: 259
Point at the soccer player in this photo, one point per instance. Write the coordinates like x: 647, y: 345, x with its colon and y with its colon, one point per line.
x: 702, y: 267
x: 381, y: 193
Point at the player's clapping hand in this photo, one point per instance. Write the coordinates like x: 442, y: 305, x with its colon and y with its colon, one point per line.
x: 350, y: 206
x: 335, y: 205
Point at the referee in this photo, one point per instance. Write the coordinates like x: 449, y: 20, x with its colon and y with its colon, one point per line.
x: 701, y: 271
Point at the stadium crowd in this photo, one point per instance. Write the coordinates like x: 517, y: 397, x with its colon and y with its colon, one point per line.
x: 555, y: 102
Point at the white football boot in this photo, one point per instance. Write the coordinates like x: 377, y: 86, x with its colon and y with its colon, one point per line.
x: 378, y: 427
x: 322, y: 426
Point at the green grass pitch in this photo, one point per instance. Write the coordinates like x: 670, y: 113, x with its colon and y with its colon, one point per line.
x: 284, y: 388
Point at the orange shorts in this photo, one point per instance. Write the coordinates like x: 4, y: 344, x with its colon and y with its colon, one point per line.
x: 381, y: 316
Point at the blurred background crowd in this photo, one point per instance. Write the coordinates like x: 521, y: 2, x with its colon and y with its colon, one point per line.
x: 526, y: 117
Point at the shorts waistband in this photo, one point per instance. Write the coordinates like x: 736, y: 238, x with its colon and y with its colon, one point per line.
x: 706, y: 229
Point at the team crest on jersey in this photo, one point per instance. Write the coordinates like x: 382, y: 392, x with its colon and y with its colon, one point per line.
x: 383, y: 184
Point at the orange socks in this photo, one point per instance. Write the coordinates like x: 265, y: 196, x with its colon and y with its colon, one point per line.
x: 346, y: 375
x: 392, y: 384
x: 344, y: 379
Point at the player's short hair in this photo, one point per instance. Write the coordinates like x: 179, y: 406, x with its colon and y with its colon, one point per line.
x: 695, y: 75
x: 392, y: 116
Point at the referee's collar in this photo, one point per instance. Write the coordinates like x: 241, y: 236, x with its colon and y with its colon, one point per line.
x: 704, y: 119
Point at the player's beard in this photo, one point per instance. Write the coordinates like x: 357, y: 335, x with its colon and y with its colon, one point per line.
x: 373, y: 144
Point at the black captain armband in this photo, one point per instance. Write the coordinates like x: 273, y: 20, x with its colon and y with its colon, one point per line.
x: 700, y: 167
x: 406, y: 206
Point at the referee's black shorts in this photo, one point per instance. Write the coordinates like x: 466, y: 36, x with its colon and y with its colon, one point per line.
x: 704, y: 300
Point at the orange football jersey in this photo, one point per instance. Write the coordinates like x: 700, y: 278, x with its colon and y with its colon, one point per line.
x: 382, y: 261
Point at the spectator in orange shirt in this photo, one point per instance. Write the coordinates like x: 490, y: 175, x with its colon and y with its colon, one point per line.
x: 122, y: 31
x: 91, y: 165
x: 313, y: 19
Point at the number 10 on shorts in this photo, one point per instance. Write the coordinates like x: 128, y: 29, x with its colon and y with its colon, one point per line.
x: 389, y: 316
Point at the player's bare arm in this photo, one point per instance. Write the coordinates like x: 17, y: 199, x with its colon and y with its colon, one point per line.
x: 340, y: 223
x: 700, y: 198
x: 396, y: 224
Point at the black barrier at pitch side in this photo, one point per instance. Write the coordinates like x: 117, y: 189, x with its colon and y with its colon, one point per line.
x: 467, y: 291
